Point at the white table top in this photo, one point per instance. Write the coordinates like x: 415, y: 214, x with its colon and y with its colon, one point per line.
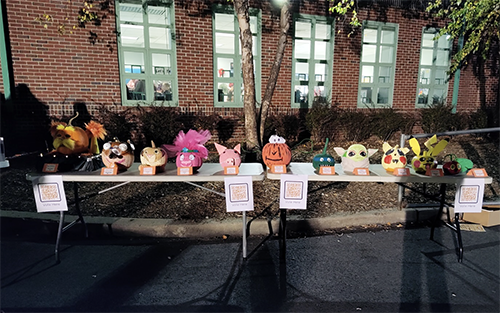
x: 377, y: 174
x: 207, y: 172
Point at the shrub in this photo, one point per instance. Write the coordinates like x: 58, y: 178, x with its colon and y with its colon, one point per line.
x: 158, y: 123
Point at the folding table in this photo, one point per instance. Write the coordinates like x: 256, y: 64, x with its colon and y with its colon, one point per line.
x: 208, y: 172
x: 379, y: 174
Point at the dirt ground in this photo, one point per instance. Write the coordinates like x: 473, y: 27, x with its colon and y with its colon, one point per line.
x: 181, y: 201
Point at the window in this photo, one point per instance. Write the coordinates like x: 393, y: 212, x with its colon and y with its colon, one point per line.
x: 147, y: 52
x: 228, y: 79
x: 432, y: 85
x: 312, y: 60
x: 378, y: 58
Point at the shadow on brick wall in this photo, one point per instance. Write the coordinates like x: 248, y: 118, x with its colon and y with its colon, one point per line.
x: 24, y: 123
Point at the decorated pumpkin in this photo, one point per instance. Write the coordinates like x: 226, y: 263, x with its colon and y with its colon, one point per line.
x: 229, y: 157
x: 153, y: 156
x: 118, y: 154
x: 189, y: 149
x: 276, y: 152
x: 323, y: 159
x: 356, y: 156
x: 465, y: 164
x: 70, y: 140
x: 394, y: 157
x: 451, y: 167
x: 425, y: 160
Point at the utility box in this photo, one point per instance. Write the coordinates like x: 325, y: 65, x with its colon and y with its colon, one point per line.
x: 489, y: 216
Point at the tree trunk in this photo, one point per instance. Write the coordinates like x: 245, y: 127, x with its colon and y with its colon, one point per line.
x: 242, y: 12
x: 273, y: 76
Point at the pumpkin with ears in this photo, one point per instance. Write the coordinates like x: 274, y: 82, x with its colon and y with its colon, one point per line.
x: 323, y: 159
x: 276, y: 152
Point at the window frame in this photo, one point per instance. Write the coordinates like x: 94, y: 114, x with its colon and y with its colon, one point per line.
x: 236, y: 78
x: 377, y: 65
x: 434, y: 68
x: 148, y: 76
x: 311, y: 62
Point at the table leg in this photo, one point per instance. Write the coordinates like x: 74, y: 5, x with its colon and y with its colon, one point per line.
x: 244, y: 235
x: 459, y: 238
x: 78, y: 211
x: 282, y: 234
x: 59, y: 233
x: 441, y: 208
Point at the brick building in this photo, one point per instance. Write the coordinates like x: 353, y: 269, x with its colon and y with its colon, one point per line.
x: 185, y: 53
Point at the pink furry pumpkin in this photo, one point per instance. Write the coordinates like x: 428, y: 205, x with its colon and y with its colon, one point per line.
x: 189, y: 149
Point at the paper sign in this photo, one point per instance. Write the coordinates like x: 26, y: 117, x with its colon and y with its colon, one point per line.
x: 50, y: 167
x: 469, y: 195
x: 434, y: 172
x: 327, y: 170
x: 239, y: 193
x: 278, y: 169
x: 401, y: 171
x: 109, y: 170
x: 362, y: 171
x: 148, y: 170
x: 49, y: 194
x: 477, y: 172
x: 184, y: 171
x: 231, y: 170
x: 293, y: 192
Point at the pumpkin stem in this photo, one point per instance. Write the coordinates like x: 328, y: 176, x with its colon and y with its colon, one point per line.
x: 326, y: 145
x: 71, y: 120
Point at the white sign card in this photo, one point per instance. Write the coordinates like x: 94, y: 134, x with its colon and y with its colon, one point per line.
x: 49, y: 194
x: 239, y: 193
x: 469, y: 196
x: 293, y: 192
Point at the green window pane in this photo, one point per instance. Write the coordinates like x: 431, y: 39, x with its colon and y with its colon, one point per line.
x: 320, y: 50
x: 131, y: 12
x: 253, y: 24
x: 444, y: 42
x: 158, y: 15
x: 428, y: 40
x: 224, y: 43
x: 161, y: 64
x: 384, y: 74
x: 423, y: 96
x: 302, y: 30
x: 367, y: 74
x: 386, y: 54
x: 163, y: 90
x: 442, y: 57
x: 383, y: 96
x: 301, y: 94
x: 370, y: 35
x: 226, y: 67
x: 301, y: 71
x: 387, y: 37
x: 440, y: 77
x: 134, y: 62
x: 426, y: 57
x: 159, y: 38
x: 425, y: 76
x: 366, y: 95
x: 438, y: 96
x: 320, y: 72
x: 322, y: 31
x: 136, y: 89
x: 302, y: 49
x: 224, y: 22
x: 132, y: 35
x: 369, y: 53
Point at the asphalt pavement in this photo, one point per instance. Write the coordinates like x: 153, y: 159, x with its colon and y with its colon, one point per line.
x: 366, y: 270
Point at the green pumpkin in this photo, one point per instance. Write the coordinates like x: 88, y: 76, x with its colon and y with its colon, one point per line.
x: 323, y: 159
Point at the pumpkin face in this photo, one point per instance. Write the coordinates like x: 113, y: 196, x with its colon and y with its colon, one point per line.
x: 423, y: 162
x: 356, y: 156
x: 323, y: 159
x: 118, y: 154
x: 276, y: 152
x: 152, y: 156
x: 70, y: 139
x: 187, y: 158
x: 394, y: 157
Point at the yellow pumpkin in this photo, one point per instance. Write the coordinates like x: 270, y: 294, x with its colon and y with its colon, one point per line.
x: 276, y: 152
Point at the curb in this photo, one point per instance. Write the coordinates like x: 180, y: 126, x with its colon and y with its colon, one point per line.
x: 168, y: 228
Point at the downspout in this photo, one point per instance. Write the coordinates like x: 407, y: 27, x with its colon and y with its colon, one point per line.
x: 6, y: 61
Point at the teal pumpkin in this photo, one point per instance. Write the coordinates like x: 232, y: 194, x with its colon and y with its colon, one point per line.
x: 466, y: 164
x: 323, y: 159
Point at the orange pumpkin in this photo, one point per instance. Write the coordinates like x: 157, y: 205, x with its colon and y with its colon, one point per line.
x: 276, y: 152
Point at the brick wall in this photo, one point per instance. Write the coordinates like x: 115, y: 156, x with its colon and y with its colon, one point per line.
x: 59, y: 70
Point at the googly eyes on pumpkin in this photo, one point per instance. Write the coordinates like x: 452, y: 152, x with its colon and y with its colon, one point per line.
x: 123, y: 147
x: 351, y: 153
x: 191, y: 157
x: 362, y: 153
x: 181, y: 157
x: 276, y: 139
x: 106, y: 146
